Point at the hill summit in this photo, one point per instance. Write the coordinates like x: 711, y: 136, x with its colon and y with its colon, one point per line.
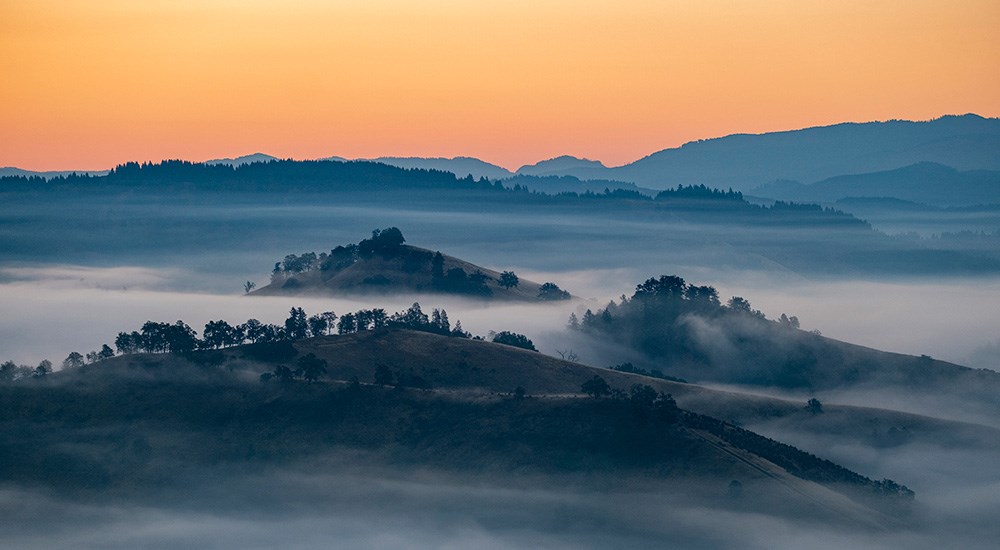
x: 383, y: 264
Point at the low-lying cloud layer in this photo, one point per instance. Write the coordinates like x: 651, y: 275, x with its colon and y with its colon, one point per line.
x: 52, y: 310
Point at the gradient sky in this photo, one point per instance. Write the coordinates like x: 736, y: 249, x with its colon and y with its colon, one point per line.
x: 88, y: 84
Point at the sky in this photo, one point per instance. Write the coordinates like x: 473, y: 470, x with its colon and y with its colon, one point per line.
x: 88, y: 84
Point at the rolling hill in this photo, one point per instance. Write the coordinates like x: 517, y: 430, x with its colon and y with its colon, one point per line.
x: 130, y: 424
x: 744, y: 161
x: 926, y: 183
x: 383, y: 264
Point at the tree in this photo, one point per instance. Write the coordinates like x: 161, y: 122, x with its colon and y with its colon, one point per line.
x: 814, y: 406
x: 8, y: 371
x: 253, y: 330
x: 667, y: 286
x: 44, y: 367
x: 789, y: 322
x: 127, y: 343
x: 508, y: 280
x: 519, y: 393
x: 284, y: 374
x: 312, y: 367
x: 514, y: 339
x: 458, y: 332
x: 347, y: 324
x: 296, y: 326
x: 739, y: 303
x: 412, y: 317
x: 440, y: 322
x: 379, y: 318
x: 248, y: 286
x: 218, y: 334
x: 72, y: 361
x: 596, y: 387
x: 317, y: 325
x: 42, y: 370
x: 180, y: 338
x: 551, y: 291
x: 105, y: 353
x: 330, y: 318
x: 574, y: 322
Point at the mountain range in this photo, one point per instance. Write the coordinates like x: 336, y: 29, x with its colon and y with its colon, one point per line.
x: 746, y: 161
x: 925, y: 182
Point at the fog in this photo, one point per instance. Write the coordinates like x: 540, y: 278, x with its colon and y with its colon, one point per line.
x: 54, y: 309
x: 358, y: 507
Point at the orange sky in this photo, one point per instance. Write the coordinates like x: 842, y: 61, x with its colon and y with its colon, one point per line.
x: 89, y: 84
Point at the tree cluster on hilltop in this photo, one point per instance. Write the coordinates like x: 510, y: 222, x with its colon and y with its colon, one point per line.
x: 388, y: 244
x: 179, y: 338
x: 687, y: 325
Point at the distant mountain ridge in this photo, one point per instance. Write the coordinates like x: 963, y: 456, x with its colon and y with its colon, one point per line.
x: 460, y: 166
x: 240, y: 161
x: 926, y: 182
x: 560, y: 166
x: 742, y: 161
x: 18, y: 172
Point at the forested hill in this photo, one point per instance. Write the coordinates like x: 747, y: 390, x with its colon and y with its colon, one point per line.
x: 383, y: 264
x: 275, y: 176
x: 400, y: 398
x: 686, y: 330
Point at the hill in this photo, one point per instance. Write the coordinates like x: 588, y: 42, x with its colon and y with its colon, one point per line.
x: 559, y: 166
x: 383, y: 264
x: 926, y: 183
x: 128, y: 424
x: 686, y: 331
x: 240, y: 161
x: 173, y: 209
x: 460, y: 166
x: 21, y: 173
x: 744, y: 161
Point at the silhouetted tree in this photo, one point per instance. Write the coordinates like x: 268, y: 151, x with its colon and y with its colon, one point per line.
x: 509, y: 280
x: 105, y: 353
x: 573, y: 322
x: 253, y: 330
x: 312, y: 367
x: 596, y: 387
x: 219, y: 334
x: 347, y: 324
x: 814, y: 406
x: 296, y: 325
x: 412, y: 317
x: 667, y: 286
x: 128, y: 342
x: 8, y: 371
x: 551, y: 291
x: 439, y: 321
x: 458, y: 332
x: 790, y: 322
x: 248, y: 286
x: 41, y: 371
x: 43, y: 368
x: 514, y: 339
x: 330, y: 318
x: 72, y: 361
x: 317, y: 325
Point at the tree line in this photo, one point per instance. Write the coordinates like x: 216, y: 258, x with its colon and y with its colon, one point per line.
x: 179, y: 337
